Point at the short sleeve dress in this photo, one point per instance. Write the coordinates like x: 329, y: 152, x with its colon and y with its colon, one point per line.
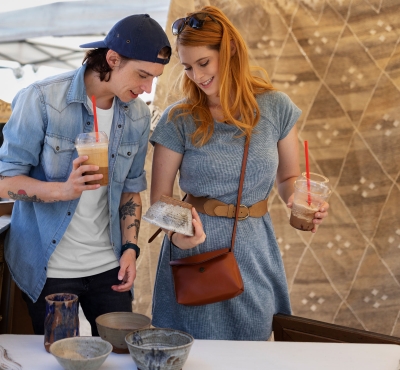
x: 213, y: 171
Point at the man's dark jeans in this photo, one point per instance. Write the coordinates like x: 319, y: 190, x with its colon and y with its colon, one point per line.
x: 95, y: 297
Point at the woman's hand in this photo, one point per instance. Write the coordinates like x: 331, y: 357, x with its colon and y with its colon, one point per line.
x: 188, y: 242
x: 320, y: 215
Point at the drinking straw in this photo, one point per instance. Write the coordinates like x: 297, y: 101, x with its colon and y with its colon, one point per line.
x: 308, y: 172
x: 96, y: 127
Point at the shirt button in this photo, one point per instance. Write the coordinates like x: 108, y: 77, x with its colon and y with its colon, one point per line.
x: 57, y: 148
x: 119, y: 126
x: 112, y: 155
x: 54, y: 241
x: 129, y: 153
x: 69, y: 213
x: 88, y: 123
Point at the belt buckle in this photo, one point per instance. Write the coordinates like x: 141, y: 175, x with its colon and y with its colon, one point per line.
x: 248, y: 213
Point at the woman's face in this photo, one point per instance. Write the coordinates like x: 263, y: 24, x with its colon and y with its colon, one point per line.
x: 202, y: 67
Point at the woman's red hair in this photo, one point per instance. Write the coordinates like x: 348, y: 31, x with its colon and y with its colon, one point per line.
x: 238, y: 83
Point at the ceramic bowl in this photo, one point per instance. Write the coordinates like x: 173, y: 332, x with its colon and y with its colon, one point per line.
x: 114, y: 326
x: 155, y: 348
x: 78, y: 353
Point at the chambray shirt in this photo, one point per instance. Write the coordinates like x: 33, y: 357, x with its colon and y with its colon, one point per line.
x: 39, y: 142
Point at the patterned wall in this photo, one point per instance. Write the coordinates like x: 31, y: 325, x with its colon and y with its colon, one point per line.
x: 339, y: 61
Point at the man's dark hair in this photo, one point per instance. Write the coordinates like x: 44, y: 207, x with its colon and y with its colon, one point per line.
x: 165, y: 52
x: 95, y: 59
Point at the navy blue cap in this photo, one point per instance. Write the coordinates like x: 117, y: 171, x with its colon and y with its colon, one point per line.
x: 136, y: 37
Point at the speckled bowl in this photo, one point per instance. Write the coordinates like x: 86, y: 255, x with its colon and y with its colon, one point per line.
x: 114, y: 326
x: 155, y: 348
x: 81, y: 353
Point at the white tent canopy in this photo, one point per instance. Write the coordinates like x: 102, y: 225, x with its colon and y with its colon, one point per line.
x: 51, y: 34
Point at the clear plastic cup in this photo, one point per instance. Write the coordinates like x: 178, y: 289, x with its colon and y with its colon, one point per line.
x: 307, y: 201
x: 95, y: 146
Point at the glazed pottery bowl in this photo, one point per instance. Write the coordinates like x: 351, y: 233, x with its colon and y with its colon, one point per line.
x: 155, y: 348
x: 78, y: 353
x: 114, y: 326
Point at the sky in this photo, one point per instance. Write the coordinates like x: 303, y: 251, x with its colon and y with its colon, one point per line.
x: 8, y: 6
x: 9, y: 85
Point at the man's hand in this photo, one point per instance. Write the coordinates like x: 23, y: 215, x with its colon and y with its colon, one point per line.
x: 127, y: 271
x: 75, y: 184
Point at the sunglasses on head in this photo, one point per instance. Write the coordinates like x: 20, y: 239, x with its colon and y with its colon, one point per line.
x: 196, y: 21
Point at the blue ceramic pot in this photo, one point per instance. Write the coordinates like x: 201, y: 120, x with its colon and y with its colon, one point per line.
x: 62, y: 318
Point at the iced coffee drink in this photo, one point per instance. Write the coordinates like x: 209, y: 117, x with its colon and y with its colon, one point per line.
x: 309, y: 195
x: 302, y: 215
x: 95, y: 146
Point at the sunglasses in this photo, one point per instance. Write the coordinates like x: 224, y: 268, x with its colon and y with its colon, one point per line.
x: 196, y: 21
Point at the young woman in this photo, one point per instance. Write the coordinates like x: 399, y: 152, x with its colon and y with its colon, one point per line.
x: 225, y: 102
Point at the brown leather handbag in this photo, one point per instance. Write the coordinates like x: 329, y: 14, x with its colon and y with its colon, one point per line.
x: 212, y: 276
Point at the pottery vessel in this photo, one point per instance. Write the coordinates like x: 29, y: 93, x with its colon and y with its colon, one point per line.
x: 81, y: 353
x: 154, y: 349
x: 114, y: 326
x: 62, y: 318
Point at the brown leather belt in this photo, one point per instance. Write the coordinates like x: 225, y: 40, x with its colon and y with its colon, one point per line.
x: 214, y: 207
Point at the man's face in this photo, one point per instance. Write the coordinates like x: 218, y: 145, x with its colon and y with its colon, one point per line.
x: 130, y: 78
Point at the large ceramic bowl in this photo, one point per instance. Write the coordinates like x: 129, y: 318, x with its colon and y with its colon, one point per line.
x: 114, y: 326
x: 165, y: 349
x: 78, y: 353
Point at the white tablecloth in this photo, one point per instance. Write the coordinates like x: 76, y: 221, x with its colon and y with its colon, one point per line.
x: 29, y: 352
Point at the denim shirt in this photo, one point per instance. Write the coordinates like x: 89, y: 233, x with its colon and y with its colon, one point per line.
x: 39, y: 142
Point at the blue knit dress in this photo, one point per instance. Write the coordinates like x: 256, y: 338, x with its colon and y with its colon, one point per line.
x: 213, y: 171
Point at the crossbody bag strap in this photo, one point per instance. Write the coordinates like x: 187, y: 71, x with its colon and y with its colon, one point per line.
x: 241, y: 181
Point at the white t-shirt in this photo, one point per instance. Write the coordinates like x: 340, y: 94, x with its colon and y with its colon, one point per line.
x: 85, y: 248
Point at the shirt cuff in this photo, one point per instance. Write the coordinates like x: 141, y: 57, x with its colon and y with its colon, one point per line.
x: 135, y: 185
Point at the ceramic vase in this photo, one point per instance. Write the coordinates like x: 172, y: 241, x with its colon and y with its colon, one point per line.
x: 62, y: 318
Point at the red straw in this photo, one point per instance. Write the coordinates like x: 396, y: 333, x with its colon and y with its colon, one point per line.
x: 96, y: 127
x: 308, y: 172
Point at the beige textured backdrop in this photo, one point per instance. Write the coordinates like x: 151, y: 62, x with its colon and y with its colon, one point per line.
x: 339, y: 61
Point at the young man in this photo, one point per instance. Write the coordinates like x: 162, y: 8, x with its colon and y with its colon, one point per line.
x: 66, y: 236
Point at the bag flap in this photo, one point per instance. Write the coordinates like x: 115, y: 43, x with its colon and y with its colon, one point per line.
x: 199, y: 258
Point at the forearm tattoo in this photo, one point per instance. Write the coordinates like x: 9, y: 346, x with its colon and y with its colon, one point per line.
x: 128, y: 209
x: 137, y: 225
x: 21, y: 195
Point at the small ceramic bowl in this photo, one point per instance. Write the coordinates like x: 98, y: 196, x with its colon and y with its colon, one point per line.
x: 78, y: 353
x: 114, y: 326
x: 155, y: 348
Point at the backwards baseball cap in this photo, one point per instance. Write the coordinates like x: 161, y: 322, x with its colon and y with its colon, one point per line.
x: 136, y: 37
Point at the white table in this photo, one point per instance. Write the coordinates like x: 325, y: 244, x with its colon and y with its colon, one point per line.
x: 28, y: 351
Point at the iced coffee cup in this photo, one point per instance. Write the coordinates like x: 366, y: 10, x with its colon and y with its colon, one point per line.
x: 95, y: 146
x: 308, y: 198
